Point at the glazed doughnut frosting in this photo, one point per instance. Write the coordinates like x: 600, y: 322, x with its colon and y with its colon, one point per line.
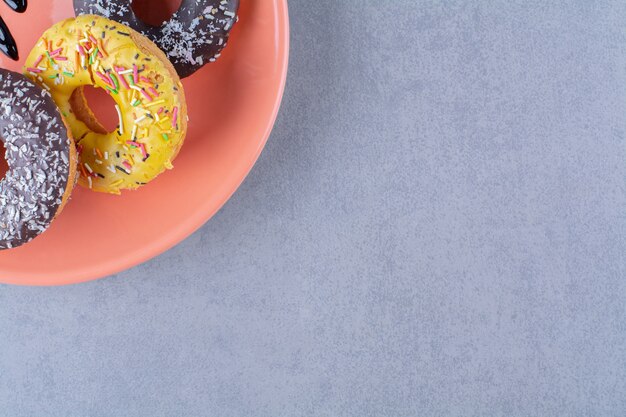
x: 194, y: 36
x: 41, y: 159
x: 150, y: 101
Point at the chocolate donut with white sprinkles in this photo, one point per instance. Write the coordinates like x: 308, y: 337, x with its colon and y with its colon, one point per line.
x: 193, y: 37
x: 41, y: 157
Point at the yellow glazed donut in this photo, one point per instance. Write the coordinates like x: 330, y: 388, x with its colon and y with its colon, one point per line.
x: 150, y: 101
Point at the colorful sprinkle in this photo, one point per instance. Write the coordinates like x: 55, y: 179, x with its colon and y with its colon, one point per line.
x: 155, y: 103
x: 104, y: 78
x: 174, y: 117
x: 119, y: 115
x: 36, y: 64
x: 146, y: 95
x: 114, y: 81
x: 122, y: 80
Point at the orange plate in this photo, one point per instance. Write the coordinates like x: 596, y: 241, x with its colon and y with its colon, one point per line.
x: 232, y: 108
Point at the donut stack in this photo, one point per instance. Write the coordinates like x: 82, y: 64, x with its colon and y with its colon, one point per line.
x: 51, y: 137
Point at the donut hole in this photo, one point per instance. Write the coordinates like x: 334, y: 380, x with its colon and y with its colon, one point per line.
x: 155, y: 12
x: 4, y: 166
x: 94, y: 107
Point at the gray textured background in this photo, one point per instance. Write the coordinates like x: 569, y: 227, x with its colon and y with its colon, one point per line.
x: 436, y: 228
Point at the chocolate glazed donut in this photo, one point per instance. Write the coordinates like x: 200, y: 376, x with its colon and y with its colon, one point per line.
x: 41, y: 159
x: 194, y: 36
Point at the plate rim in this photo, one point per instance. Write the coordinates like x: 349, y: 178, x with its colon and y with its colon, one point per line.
x: 195, y: 221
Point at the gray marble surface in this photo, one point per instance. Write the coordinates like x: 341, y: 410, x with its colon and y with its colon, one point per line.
x: 436, y: 228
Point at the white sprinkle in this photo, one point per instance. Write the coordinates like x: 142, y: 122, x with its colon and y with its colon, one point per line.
x: 119, y: 115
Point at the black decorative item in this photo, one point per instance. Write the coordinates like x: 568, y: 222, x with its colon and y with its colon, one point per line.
x: 7, y: 43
